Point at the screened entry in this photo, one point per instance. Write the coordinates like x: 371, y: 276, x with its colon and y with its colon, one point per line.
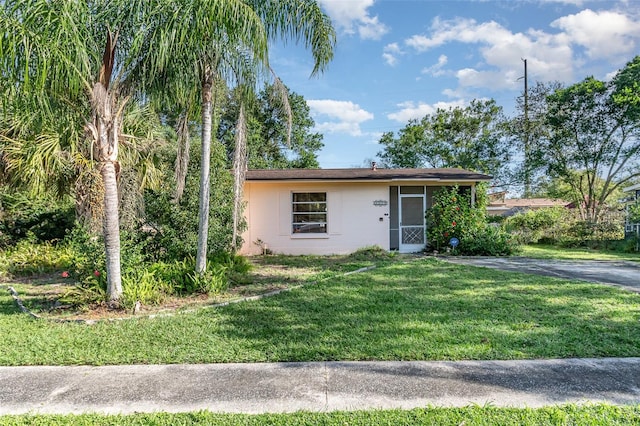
x: 407, y: 223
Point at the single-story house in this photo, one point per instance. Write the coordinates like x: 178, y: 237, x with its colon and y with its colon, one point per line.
x: 499, y: 205
x: 336, y: 211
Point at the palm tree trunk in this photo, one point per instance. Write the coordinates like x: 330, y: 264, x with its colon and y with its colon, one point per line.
x: 105, y: 130
x: 205, y: 164
x: 111, y: 230
x: 182, y: 157
x: 239, y: 173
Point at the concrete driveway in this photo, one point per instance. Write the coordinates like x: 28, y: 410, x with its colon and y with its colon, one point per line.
x: 624, y: 274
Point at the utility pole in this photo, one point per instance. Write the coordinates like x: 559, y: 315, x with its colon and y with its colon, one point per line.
x: 527, y: 164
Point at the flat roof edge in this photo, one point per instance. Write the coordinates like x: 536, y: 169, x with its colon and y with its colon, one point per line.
x: 381, y: 180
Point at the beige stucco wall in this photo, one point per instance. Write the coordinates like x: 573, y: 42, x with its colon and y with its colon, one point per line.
x: 353, y: 221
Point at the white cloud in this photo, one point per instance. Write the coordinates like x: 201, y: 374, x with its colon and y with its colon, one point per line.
x: 454, y: 94
x: 573, y: 2
x: 353, y: 17
x: 372, y: 29
x: 607, y: 35
x: 390, y: 59
x: 391, y: 52
x: 436, y: 70
x: 333, y: 116
x: 410, y: 110
x: 603, y: 34
x: 549, y: 56
x: 461, y: 30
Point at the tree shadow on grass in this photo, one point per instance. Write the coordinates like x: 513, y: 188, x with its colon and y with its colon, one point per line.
x: 401, y: 312
x: 39, y: 292
x: 423, y: 310
x: 8, y: 307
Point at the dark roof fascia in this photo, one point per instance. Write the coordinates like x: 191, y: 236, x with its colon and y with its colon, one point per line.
x: 434, y: 180
x: 365, y: 175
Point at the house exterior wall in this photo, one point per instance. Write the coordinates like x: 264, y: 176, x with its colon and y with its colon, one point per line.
x: 631, y: 227
x: 353, y: 221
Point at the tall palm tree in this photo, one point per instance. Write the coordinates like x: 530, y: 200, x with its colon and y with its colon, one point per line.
x: 62, y: 56
x: 104, y: 53
x: 205, y: 51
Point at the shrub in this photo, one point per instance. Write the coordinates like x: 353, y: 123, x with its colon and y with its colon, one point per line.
x: 543, y: 225
x: 91, y: 291
x: 557, y: 225
x: 213, y: 280
x: 489, y: 241
x: 371, y: 253
x: 143, y: 286
x: 88, y: 255
x: 453, y: 216
x: 29, y: 257
x: 40, y: 219
x: 180, y: 277
x: 175, y: 275
x: 175, y: 224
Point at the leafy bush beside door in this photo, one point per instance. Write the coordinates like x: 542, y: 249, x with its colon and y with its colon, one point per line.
x: 452, y: 215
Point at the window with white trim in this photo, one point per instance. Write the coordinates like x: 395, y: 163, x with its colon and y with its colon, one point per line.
x: 309, y: 213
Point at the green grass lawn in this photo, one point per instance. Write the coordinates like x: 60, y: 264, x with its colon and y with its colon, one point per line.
x: 468, y: 416
x: 551, y: 252
x: 420, y: 309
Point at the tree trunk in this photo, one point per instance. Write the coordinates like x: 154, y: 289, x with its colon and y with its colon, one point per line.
x: 182, y: 157
x: 103, y: 132
x: 205, y: 164
x: 111, y: 230
x: 239, y: 173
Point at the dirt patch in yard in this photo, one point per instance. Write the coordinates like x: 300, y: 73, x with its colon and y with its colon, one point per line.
x: 42, y: 294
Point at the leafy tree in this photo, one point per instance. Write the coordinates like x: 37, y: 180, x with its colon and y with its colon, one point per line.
x: 528, y: 132
x: 62, y: 62
x: 559, y: 188
x: 175, y: 225
x: 408, y: 150
x: 56, y: 53
x: 594, y: 143
x: 199, y: 43
x: 469, y: 137
x: 626, y: 88
x: 270, y: 133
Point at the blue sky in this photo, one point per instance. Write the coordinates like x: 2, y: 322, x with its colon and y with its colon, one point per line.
x: 401, y: 59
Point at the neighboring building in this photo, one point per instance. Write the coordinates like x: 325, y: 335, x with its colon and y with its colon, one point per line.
x: 334, y: 211
x: 632, y: 228
x: 501, y: 206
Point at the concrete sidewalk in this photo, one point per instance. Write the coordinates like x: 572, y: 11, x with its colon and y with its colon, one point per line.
x: 316, y: 386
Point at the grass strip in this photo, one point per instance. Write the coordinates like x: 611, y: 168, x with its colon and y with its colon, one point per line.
x: 418, y: 310
x: 540, y: 251
x: 473, y: 415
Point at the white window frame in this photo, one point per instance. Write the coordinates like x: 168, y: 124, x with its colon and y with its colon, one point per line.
x: 322, y: 224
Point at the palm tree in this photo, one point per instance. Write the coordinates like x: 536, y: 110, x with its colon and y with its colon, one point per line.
x: 197, y: 42
x: 63, y: 58
x: 205, y: 49
x: 99, y: 55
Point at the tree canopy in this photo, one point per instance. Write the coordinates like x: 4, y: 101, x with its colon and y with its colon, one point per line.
x: 593, y: 143
x: 81, y: 66
x: 470, y: 137
x: 274, y: 139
